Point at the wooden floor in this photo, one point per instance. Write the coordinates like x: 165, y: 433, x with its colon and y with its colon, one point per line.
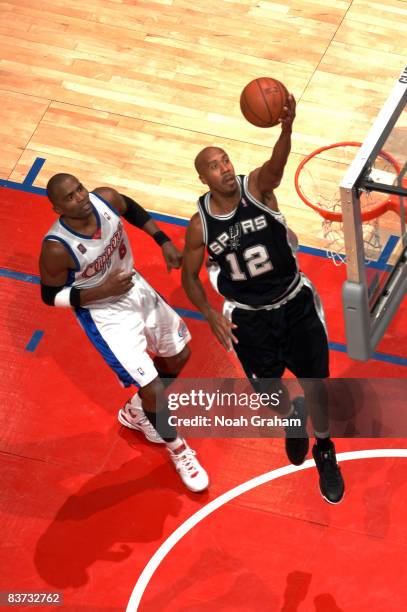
x: 125, y: 93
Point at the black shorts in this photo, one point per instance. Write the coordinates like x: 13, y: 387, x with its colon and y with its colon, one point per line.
x: 292, y: 336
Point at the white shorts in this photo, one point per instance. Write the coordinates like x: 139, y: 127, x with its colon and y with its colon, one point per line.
x: 124, y: 330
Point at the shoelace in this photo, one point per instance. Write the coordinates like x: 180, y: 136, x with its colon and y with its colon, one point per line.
x: 141, y: 419
x: 187, y: 459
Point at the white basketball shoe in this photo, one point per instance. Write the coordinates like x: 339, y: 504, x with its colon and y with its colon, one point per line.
x: 132, y: 416
x: 188, y: 467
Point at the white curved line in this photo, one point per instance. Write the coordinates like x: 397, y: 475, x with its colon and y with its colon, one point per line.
x: 223, y: 499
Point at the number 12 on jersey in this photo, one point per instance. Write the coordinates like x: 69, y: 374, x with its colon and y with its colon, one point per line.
x: 257, y: 262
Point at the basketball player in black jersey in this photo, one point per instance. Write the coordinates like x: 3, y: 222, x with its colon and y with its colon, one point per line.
x: 272, y: 316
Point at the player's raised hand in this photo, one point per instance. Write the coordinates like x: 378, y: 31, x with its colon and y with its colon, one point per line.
x: 172, y: 256
x: 222, y: 328
x: 288, y: 114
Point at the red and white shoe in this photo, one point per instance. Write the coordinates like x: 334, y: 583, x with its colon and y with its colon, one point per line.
x: 133, y: 417
x: 188, y: 467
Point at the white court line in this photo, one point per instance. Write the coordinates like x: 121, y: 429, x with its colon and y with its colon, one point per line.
x: 223, y: 499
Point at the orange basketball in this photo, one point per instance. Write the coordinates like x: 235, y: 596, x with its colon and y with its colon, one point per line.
x: 262, y: 101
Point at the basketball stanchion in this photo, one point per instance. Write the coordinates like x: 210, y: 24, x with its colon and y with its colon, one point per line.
x: 319, y: 190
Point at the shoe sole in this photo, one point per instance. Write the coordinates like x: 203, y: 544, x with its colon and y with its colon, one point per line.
x: 123, y: 421
x: 332, y: 502
x: 189, y: 488
x: 196, y: 490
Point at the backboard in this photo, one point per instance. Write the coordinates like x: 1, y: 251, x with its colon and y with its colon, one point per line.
x: 376, y: 277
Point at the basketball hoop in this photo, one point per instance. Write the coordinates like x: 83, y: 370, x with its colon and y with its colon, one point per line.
x: 316, y: 181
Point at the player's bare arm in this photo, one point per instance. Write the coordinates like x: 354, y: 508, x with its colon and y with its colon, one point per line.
x: 138, y: 216
x: 194, y: 254
x: 264, y: 180
x: 55, y: 264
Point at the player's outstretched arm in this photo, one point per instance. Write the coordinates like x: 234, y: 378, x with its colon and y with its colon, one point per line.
x: 264, y: 180
x: 138, y: 216
x: 194, y: 253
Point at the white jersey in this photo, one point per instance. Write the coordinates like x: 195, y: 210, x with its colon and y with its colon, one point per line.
x: 122, y: 328
x: 98, y: 256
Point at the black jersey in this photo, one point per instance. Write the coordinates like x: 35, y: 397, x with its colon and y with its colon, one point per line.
x: 252, y: 248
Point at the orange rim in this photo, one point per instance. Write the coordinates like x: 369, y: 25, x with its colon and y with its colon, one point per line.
x: 369, y: 212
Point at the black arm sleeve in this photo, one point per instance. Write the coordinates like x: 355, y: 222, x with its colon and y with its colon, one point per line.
x: 135, y: 214
x: 48, y: 294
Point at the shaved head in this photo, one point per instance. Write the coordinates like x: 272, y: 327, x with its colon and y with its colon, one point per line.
x: 54, y: 183
x: 216, y: 170
x: 203, y: 157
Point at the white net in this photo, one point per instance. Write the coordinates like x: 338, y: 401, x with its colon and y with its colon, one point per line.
x: 318, y: 181
x: 335, y: 243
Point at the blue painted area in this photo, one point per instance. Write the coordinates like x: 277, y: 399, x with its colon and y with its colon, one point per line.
x: 35, y: 339
x: 379, y: 265
x: 337, y: 346
x: 190, y: 314
x: 394, y: 359
x: 22, y: 187
x: 388, y: 249
x: 34, y: 171
x: 170, y: 219
x: 20, y: 276
x: 312, y: 251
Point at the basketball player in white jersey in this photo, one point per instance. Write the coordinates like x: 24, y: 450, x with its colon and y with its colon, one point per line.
x: 86, y: 264
x: 272, y: 315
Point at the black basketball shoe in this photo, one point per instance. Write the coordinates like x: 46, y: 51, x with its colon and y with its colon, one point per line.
x: 296, y: 440
x: 331, y: 482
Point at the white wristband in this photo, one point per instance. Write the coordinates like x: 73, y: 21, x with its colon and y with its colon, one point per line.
x: 62, y: 298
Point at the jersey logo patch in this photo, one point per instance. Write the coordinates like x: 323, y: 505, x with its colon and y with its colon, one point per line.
x: 107, y: 216
x: 81, y: 248
x: 182, y: 329
x: 140, y: 371
x: 234, y: 236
